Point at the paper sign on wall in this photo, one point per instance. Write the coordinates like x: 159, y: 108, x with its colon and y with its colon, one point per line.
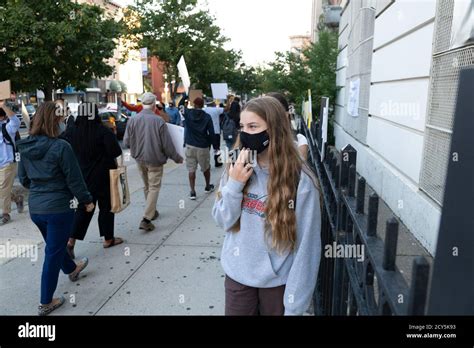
x: 353, y: 103
x: 219, y: 90
x: 5, y: 90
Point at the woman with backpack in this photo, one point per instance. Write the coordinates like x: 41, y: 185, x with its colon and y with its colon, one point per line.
x: 300, y: 140
x: 96, y: 148
x: 49, y: 169
x: 230, y: 121
x: 270, y: 210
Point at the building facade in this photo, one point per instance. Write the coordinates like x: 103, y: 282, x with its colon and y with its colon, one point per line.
x: 398, y: 71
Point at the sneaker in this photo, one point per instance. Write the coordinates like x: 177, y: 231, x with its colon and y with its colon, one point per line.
x: 155, y: 216
x: 146, y: 225
x: 6, y: 218
x: 19, y: 205
x: 74, y: 276
x: 209, y: 189
x: 192, y: 195
x: 46, y: 309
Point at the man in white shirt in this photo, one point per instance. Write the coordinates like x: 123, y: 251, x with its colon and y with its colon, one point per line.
x: 8, y: 158
x: 215, y: 113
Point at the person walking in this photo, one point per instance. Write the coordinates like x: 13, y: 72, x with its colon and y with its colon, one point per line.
x: 158, y: 110
x: 96, y: 148
x: 230, y: 121
x: 215, y: 113
x: 300, y: 140
x: 268, y: 203
x: 150, y: 145
x: 198, y: 136
x: 173, y: 112
x: 10, y: 124
x: 49, y: 169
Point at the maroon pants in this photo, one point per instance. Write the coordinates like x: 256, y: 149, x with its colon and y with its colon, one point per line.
x: 245, y: 300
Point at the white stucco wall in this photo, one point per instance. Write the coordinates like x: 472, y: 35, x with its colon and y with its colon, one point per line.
x: 392, y: 157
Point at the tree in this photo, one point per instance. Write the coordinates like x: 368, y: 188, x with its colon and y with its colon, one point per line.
x: 48, y: 45
x: 287, y: 74
x: 174, y: 28
x: 293, y: 73
x: 322, y: 62
x: 244, y: 80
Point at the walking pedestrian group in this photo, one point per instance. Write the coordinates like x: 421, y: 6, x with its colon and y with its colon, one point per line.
x: 267, y: 202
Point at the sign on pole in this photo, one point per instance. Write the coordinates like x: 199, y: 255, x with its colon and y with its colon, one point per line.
x: 183, y: 73
x: 310, y: 109
x: 5, y: 90
x: 144, y: 60
x: 219, y: 90
x: 324, y: 124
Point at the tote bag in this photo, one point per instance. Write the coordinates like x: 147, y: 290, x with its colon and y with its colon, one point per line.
x: 119, y: 192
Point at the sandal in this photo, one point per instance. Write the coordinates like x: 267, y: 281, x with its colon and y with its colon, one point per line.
x: 6, y: 218
x: 74, y: 276
x: 46, y: 309
x: 115, y: 241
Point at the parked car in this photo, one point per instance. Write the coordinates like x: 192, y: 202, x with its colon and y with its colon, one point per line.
x: 118, y: 126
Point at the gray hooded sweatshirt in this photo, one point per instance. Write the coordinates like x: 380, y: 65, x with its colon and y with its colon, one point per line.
x: 248, y: 259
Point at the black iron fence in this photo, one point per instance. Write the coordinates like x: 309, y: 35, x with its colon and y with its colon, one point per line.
x: 349, y: 284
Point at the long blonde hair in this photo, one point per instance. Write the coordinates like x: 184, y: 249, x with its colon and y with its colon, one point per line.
x: 284, y: 175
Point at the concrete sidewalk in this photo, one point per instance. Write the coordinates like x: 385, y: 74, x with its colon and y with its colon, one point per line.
x: 173, y: 270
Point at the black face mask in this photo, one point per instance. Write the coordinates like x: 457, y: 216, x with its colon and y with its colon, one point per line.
x: 255, y: 142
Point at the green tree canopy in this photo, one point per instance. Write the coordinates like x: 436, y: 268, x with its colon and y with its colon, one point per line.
x: 48, y: 45
x: 174, y: 28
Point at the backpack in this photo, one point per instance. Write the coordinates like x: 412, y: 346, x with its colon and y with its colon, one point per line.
x: 228, y: 127
x: 8, y: 139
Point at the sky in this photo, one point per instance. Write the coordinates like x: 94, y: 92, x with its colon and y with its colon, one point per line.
x: 260, y: 27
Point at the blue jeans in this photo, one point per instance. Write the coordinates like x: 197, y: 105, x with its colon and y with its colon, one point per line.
x: 56, y: 230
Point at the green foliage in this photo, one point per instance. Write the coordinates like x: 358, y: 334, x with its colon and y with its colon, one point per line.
x: 293, y: 73
x: 52, y: 44
x: 174, y: 28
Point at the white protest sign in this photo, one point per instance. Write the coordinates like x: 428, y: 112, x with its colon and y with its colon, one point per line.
x: 183, y: 73
x: 219, y: 90
x: 177, y: 136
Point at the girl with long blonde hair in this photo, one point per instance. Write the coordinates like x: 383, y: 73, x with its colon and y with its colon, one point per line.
x: 270, y: 210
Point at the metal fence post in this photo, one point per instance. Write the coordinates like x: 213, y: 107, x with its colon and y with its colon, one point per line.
x: 454, y: 261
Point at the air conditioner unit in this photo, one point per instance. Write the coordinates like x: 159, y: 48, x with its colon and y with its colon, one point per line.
x: 332, y: 15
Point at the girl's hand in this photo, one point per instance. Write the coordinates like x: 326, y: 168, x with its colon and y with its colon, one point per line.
x: 242, y: 169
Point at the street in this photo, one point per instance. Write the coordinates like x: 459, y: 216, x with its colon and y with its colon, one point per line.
x: 173, y: 270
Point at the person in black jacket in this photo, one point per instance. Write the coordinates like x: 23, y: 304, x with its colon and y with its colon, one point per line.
x: 198, y: 133
x: 96, y: 148
x: 49, y: 169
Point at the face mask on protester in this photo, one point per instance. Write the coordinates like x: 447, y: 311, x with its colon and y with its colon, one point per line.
x: 255, y: 142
